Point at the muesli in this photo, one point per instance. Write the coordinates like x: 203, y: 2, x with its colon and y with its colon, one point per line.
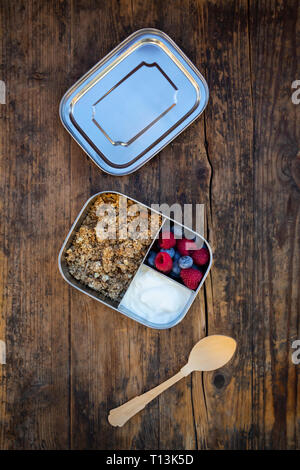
x: 106, y: 261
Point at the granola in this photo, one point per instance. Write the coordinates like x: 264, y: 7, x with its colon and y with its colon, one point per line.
x: 107, y: 264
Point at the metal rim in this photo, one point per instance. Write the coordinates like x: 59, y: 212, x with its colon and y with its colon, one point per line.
x: 102, y: 62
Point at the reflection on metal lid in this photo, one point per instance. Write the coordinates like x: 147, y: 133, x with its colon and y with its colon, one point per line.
x: 134, y: 102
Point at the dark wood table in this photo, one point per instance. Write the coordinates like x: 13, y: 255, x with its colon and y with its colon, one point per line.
x: 71, y: 359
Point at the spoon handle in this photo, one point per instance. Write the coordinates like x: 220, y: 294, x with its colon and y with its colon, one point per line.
x: 119, y: 416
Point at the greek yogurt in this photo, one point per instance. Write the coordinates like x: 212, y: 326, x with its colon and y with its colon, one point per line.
x: 155, y: 297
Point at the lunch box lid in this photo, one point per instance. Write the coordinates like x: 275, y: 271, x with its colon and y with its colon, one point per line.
x: 134, y: 102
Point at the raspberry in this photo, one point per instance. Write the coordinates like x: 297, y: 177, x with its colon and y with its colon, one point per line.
x: 184, y: 246
x: 163, y: 262
x: 200, y: 257
x: 166, y: 240
x: 191, y: 277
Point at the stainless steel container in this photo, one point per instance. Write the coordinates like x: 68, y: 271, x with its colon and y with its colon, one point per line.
x: 101, y: 298
x: 134, y: 102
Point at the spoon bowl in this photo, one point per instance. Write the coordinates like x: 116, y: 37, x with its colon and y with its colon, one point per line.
x: 211, y: 353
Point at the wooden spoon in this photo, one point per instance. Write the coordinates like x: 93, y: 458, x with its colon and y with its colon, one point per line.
x: 210, y: 353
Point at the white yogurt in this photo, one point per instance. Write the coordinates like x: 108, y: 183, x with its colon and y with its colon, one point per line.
x: 155, y: 297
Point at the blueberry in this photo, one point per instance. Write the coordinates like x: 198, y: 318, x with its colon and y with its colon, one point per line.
x: 185, y: 262
x: 177, y: 256
x: 151, y: 258
x: 170, y: 251
x: 175, y: 269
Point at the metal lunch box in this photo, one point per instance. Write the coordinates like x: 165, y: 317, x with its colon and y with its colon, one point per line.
x: 134, y: 102
x: 113, y: 304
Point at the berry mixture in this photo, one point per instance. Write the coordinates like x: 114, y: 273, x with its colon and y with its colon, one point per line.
x: 179, y: 258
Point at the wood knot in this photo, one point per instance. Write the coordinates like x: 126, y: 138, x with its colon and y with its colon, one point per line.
x: 39, y: 76
x: 219, y: 381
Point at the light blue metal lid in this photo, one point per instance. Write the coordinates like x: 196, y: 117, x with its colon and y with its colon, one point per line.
x: 134, y: 102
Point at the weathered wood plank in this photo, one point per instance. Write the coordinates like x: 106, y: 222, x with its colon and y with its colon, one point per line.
x: 70, y: 359
x: 184, y: 179
x: 3, y: 254
x: 274, y: 37
x: 113, y: 358
x: 34, y: 217
x: 228, y: 130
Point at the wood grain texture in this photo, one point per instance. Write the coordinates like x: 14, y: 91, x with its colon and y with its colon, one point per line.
x: 35, y: 214
x: 276, y: 305
x: 70, y: 359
